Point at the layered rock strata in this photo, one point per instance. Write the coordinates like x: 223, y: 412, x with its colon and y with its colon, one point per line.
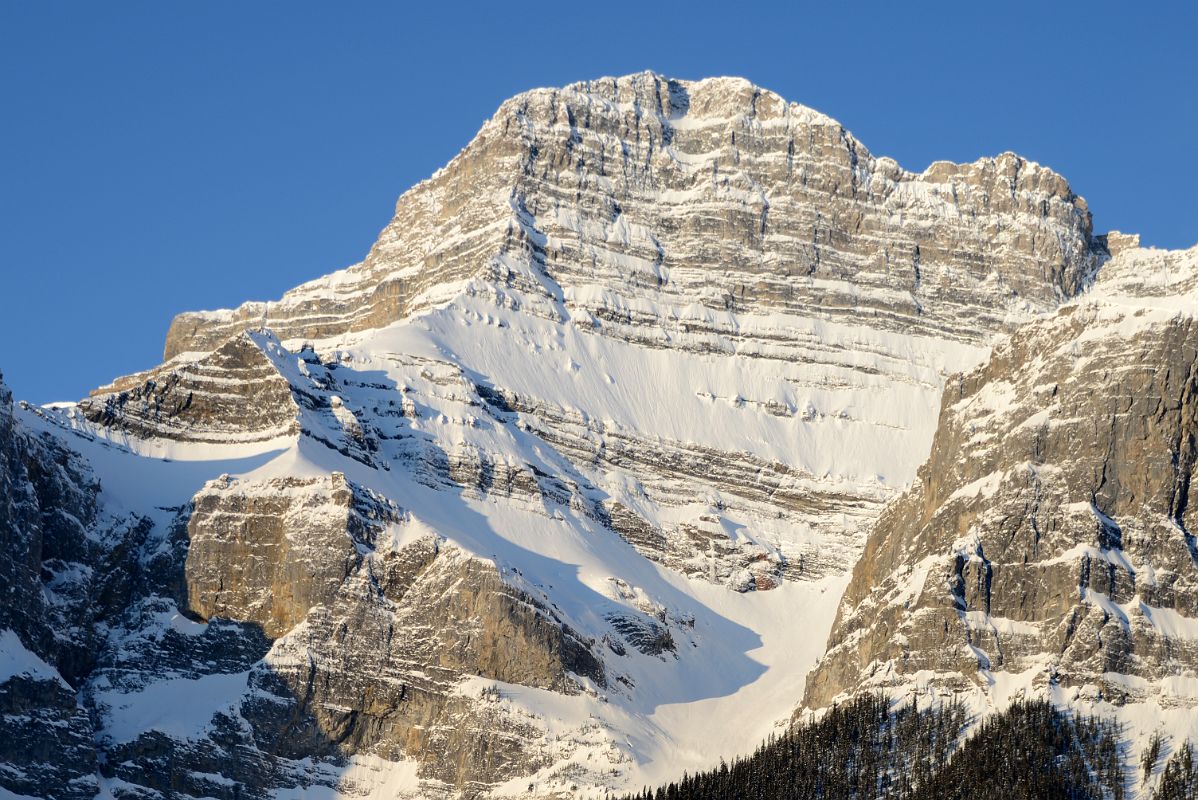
x: 1050, y: 534
x: 494, y: 511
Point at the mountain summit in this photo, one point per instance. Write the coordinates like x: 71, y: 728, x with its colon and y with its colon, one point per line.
x: 584, y: 455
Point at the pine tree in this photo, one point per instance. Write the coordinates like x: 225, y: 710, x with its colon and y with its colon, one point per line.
x: 869, y: 749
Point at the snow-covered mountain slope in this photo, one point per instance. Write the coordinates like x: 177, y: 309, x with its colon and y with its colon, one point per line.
x: 575, y: 463
x: 1047, y: 548
x: 454, y: 623
x: 716, y: 300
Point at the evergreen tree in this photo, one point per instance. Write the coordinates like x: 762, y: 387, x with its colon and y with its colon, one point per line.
x: 869, y: 750
x: 1178, y: 781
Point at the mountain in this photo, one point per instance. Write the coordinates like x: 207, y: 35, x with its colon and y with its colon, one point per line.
x: 1047, y: 546
x: 584, y: 454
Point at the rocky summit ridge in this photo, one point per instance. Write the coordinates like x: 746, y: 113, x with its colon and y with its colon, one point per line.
x: 716, y: 194
x: 653, y: 390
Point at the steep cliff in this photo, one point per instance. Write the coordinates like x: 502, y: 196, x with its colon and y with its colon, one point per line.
x: 66, y: 565
x: 713, y: 196
x: 1048, y: 547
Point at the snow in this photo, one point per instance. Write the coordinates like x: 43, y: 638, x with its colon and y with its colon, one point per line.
x: 986, y: 486
x: 363, y: 776
x: 857, y: 417
x: 5, y: 794
x: 1168, y: 621
x: 179, y: 623
x: 983, y: 621
x: 658, y: 740
x: 178, y: 707
x: 139, y: 475
x: 746, y: 650
x: 744, y: 653
x: 867, y: 424
x: 1138, y: 289
x: 16, y: 659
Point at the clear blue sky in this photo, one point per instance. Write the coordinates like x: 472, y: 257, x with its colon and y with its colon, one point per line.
x: 158, y: 156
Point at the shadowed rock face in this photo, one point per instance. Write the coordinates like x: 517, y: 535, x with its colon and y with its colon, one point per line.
x: 716, y: 193
x: 1052, y: 528
x: 47, y: 735
x: 64, y: 564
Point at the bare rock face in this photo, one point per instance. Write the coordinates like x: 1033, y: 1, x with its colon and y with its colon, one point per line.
x: 234, y: 394
x: 714, y: 192
x: 386, y: 671
x: 269, y: 552
x: 1050, y: 533
x: 374, y: 628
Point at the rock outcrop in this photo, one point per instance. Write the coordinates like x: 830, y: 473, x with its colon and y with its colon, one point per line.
x: 65, y: 565
x: 1049, y: 541
x: 352, y: 633
x: 714, y: 194
x: 269, y: 552
x: 234, y: 394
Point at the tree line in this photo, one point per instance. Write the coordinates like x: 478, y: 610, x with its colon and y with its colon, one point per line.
x: 871, y: 749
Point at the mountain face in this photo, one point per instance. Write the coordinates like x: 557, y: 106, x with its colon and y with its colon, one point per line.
x: 1047, y: 545
x: 583, y: 456
x: 700, y: 198
x: 795, y: 273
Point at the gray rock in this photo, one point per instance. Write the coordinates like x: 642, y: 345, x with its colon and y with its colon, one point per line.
x: 1051, y: 529
x: 584, y: 180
